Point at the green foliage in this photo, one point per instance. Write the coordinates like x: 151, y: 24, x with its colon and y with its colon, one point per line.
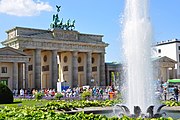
x: 58, y: 96
x: 6, y: 95
x: 85, y: 95
x: 69, y: 105
x: 39, y: 95
x: 172, y: 103
x: 36, y: 113
x: 112, y: 76
x: 47, y: 112
x: 117, y: 74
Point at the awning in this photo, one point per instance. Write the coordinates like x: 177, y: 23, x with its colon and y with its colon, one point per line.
x: 173, y: 81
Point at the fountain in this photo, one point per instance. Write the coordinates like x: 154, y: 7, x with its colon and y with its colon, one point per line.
x: 137, y: 36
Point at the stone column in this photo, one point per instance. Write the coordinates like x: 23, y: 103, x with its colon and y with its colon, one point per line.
x: 173, y: 73
x: 54, y: 72
x: 108, y: 77
x: 74, y: 69
x: 26, y: 75
x: 102, y: 70
x: 15, y: 75
x: 20, y: 75
x: 60, y: 69
x: 89, y: 69
x: 167, y: 72
x: 37, y: 68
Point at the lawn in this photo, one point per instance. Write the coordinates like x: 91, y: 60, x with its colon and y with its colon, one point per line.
x: 26, y: 102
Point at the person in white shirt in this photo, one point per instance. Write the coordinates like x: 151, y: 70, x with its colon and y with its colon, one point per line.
x: 21, y: 92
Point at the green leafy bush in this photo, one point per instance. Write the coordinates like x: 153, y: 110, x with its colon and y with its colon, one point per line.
x: 58, y: 96
x: 6, y: 95
x: 172, y: 103
x: 39, y: 95
x: 85, y: 95
x: 36, y: 113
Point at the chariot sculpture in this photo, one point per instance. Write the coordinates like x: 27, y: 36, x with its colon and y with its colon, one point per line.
x: 56, y: 23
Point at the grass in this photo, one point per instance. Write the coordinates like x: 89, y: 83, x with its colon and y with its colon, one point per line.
x: 23, y: 102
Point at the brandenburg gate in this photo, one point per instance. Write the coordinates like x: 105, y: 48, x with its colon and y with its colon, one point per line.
x: 60, y: 55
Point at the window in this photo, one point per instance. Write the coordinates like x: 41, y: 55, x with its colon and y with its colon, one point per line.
x: 179, y: 57
x: 80, y: 68
x: 45, y: 68
x: 79, y: 59
x: 65, y: 68
x: 178, y: 47
x: 159, y: 50
x: 4, y: 70
x: 65, y: 59
x: 94, y: 69
x: 93, y: 60
x: 45, y: 58
x: 30, y: 67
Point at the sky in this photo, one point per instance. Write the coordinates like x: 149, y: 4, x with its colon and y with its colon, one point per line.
x: 92, y: 16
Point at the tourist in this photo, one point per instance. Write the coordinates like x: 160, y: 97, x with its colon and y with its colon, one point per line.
x: 28, y: 92
x: 101, y: 92
x: 46, y: 92
x: 33, y: 92
x: 165, y: 93
x: 50, y: 92
x: 53, y: 92
x: 14, y: 91
x: 25, y: 92
x: 176, y: 92
x: 21, y: 92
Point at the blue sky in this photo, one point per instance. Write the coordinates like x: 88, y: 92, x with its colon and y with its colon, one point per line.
x: 92, y: 16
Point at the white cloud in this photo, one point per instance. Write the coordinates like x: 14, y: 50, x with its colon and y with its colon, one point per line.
x: 23, y: 7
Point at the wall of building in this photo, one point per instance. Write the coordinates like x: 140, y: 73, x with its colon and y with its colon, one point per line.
x: 30, y: 69
x: 8, y: 75
x: 46, y: 68
x: 66, y: 66
x: 82, y: 65
x: 170, y: 49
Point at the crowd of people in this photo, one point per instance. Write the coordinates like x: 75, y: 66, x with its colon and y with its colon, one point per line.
x: 171, y: 93
x: 96, y: 92
x: 32, y: 92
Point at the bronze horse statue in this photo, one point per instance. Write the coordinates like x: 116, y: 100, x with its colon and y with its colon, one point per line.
x: 72, y: 26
